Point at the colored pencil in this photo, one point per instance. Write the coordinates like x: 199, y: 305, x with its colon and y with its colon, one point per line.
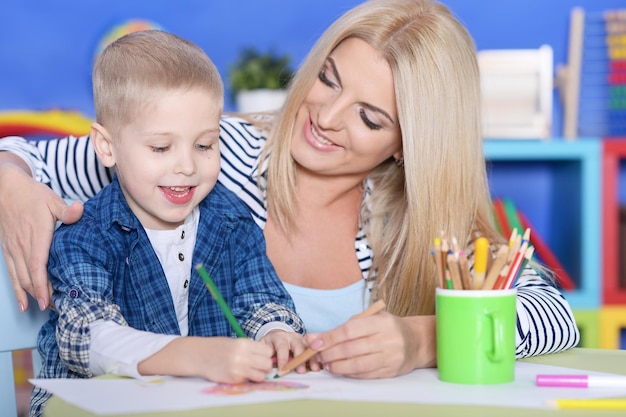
x: 444, y: 259
x: 514, y: 267
x: 527, y: 257
x: 455, y: 274
x: 481, y: 253
x: 441, y: 275
x: 496, y: 268
x: 463, y: 266
x: 592, y: 404
x: 516, y: 263
x: 220, y: 301
x: 512, y: 237
x: 309, y: 353
x: 514, y: 246
x: 466, y: 277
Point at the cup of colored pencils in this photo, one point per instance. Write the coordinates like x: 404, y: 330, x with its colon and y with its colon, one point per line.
x: 484, y: 317
x: 489, y: 273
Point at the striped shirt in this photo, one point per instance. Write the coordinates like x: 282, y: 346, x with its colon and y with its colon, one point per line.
x: 70, y: 167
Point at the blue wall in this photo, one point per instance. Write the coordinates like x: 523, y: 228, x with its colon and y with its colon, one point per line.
x: 47, y: 47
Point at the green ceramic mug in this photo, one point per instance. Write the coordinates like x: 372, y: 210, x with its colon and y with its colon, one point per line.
x: 476, y: 335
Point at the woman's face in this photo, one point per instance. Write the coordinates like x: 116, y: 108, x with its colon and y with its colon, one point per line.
x: 348, y: 123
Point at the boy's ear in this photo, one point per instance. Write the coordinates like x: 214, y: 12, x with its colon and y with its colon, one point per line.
x: 102, y: 143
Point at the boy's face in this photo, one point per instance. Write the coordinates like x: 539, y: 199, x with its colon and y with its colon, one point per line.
x: 167, y: 159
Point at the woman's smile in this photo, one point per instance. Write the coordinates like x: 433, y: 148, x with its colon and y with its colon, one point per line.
x: 316, y: 140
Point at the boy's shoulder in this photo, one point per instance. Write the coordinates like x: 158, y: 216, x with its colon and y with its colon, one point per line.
x: 107, y: 207
x: 91, y: 229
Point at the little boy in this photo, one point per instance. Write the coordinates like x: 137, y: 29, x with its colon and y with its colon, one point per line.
x: 126, y: 292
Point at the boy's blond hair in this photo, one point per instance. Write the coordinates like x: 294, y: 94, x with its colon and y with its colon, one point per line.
x: 135, y: 67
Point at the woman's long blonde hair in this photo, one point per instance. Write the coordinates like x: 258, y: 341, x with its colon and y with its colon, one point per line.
x: 443, y: 184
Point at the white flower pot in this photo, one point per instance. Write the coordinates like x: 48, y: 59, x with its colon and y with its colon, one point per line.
x: 260, y: 100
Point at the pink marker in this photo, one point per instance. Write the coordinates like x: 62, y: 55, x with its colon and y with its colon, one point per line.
x: 582, y: 381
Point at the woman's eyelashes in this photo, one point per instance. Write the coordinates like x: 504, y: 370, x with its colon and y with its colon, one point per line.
x: 368, y: 122
x: 324, y: 79
x: 327, y: 81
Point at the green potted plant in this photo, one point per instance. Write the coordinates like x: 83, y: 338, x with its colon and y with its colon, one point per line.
x: 258, y: 80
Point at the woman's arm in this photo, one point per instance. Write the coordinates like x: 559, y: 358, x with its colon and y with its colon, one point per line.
x: 28, y: 214
x: 69, y: 165
x: 385, y: 345
x: 545, y: 322
x: 29, y: 209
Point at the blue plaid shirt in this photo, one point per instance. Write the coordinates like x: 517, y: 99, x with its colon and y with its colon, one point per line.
x: 104, y: 267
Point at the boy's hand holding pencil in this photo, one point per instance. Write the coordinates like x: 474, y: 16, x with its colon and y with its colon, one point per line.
x: 498, y: 273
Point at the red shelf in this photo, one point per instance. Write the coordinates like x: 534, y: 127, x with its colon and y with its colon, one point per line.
x: 613, y: 151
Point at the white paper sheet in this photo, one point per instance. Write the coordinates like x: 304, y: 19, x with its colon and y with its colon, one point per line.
x: 420, y: 386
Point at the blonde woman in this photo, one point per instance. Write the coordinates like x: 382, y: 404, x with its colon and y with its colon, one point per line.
x: 377, y: 149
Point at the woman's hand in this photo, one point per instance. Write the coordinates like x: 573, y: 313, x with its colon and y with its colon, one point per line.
x: 378, y: 346
x: 28, y: 215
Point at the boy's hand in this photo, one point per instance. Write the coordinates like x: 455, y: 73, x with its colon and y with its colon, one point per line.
x: 287, y: 345
x: 219, y: 359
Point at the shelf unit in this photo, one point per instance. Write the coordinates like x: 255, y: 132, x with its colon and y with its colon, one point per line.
x: 613, y: 153
x: 557, y: 185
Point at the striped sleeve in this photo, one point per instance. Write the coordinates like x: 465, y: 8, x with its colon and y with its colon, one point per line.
x: 241, y: 145
x: 545, y: 322
x: 67, y: 165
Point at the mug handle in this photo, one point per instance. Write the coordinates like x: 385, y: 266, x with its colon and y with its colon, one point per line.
x: 497, y: 352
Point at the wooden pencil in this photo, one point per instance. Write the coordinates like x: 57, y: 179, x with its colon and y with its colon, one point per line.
x: 464, y: 273
x: 466, y: 277
x: 501, y: 277
x: 528, y: 254
x: 496, y: 268
x: 445, y: 248
x: 455, y: 274
x: 515, y: 266
x: 375, y: 308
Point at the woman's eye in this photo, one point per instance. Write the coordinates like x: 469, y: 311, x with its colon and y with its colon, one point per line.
x: 368, y: 122
x: 323, y: 78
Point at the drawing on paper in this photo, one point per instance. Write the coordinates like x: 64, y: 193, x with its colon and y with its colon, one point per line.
x: 248, y: 387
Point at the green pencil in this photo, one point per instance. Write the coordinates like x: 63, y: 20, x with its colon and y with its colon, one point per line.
x: 220, y: 301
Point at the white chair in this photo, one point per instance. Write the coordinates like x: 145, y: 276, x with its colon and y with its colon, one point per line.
x: 19, y: 331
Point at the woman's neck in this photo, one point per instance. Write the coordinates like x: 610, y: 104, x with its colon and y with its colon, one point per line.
x: 319, y: 252
x: 327, y: 192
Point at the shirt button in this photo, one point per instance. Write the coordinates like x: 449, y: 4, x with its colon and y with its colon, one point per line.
x: 186, y: 284
x: 181, y: 257
x: 182, y: 235
x: 74, y: 293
